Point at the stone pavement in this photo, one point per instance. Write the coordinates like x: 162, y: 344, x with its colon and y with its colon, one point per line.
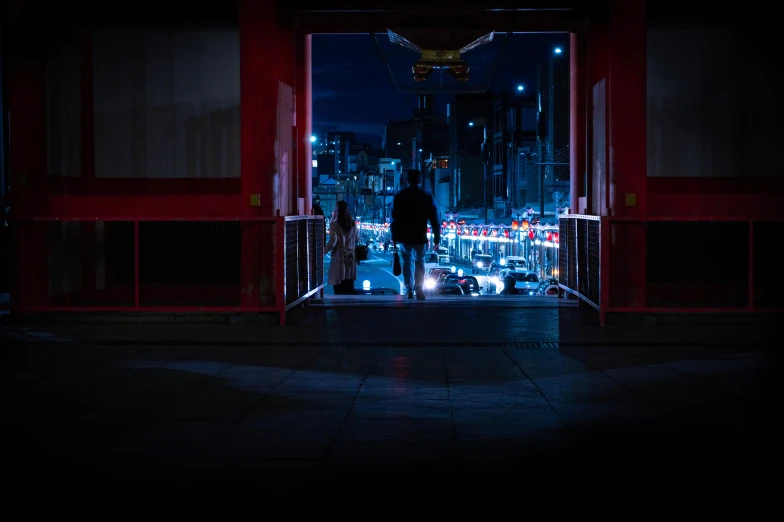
x: 360, y: 403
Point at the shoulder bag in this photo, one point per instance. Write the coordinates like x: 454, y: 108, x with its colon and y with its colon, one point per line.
x: 396, y: 268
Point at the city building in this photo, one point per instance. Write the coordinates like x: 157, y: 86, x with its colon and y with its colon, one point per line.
x: 468, y: 116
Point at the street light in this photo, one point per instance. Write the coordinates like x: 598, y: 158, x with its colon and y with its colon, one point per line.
x: 558, y: 50
x: 520, y: 88
x: 313, y: 139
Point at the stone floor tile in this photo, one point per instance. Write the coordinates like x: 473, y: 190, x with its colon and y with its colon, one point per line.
x: 489, y: 423
x: 593, y: 386
x: 401, y: 391
x: 440, y: 410
x: 498, y: 399
x: 381, y: 403
x: 547, y: 364
x: 312, y: 381
x: 281, y: 398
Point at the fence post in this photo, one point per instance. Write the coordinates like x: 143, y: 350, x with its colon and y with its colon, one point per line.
x: 280, y: 267
x: 604, y: 269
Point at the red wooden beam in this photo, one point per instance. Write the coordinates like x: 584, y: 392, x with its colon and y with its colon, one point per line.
x: 342, y: 22
x: 140, y: 206
x: 64, y: 185
x: 715, y: 185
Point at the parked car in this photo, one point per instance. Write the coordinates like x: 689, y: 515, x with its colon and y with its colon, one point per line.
x: 514, y: 263
x: 469, y: 284
x: 431, y: 275
x: 435, y: 259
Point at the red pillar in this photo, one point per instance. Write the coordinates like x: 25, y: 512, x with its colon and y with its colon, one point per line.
x: 577, y: 121
x: 260, y: 63
x: 597, y: 118
x: 27, y: 136
x: 304, y: 120
x: 627, y: 182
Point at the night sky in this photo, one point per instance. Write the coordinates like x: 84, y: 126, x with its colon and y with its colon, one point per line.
x: 354, y: 91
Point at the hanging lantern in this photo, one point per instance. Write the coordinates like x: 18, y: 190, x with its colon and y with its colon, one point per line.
x: 452, y: 225
x: 525, y: 225
x: 555, y: 237
x: 474, y: 232
x: 531, y: 234
x: 506, y: 233
x: 515, y: 225
x: 549, y: 236
x: 484, y: 232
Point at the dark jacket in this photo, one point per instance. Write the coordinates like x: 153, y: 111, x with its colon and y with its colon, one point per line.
x: 412, y: 208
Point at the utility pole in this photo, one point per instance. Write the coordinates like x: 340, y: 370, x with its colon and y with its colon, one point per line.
x: 539, y: 132
x: 484, y: 177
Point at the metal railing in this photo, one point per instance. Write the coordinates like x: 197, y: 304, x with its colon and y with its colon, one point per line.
x: 691, y: 282
x: 296, y: 269
x: 579, y: 257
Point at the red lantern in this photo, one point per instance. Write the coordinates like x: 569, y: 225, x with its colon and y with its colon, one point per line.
x: 506, y: 233
x: 549, y: 236
x: 525, y: 224
x: 484, y: 233
x: 515, y: 225
x: 555, y: 236
x: 531, y: 234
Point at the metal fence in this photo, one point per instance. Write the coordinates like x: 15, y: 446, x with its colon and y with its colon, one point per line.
x: 691, y: 265
x: 166, y: 264
x: 579, y: 257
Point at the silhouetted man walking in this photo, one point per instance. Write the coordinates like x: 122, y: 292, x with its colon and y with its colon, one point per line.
x: 412, y: 208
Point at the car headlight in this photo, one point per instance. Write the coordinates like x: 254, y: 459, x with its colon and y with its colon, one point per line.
x: 429, y: 284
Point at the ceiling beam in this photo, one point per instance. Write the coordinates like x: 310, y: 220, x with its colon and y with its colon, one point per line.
x: 378, y: 22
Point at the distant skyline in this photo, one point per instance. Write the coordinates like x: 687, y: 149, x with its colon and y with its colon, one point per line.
x: 353, y: 90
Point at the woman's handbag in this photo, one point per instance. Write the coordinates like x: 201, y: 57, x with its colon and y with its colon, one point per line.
x: 361, y: 252
x: 396, y: 268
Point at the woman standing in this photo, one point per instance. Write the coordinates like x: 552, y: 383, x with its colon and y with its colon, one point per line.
x: 343, y: 238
